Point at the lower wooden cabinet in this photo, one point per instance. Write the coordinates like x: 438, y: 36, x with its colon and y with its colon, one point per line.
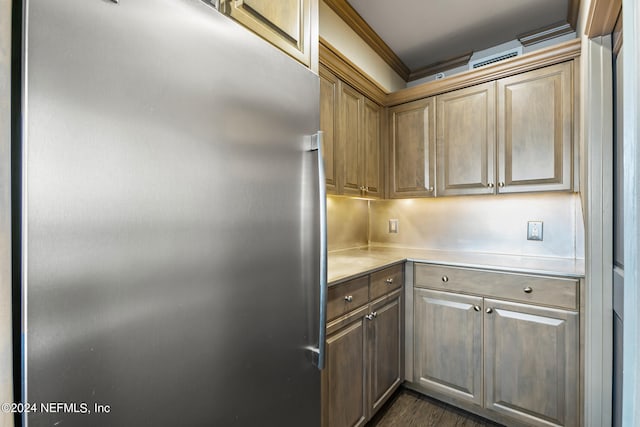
x: 448, y: 344
x: 343, y: 380
x: 531, y: 363
x: 364, y: 354
x: 517, y: 363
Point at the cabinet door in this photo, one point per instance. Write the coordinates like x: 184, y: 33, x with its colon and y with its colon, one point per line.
x: 448, y: 344
x: 535, y: 117
x: 371, y: 149
x: 466, y: 141
x: 351, y: 102
x: 284, y: 23
x: 531, y: 363
x: 413, y: 149
x: 384, y: 350
x: 343, y: 378
x: 329, y: 125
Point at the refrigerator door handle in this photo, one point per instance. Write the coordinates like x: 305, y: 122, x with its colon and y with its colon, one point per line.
x: 316, y: 145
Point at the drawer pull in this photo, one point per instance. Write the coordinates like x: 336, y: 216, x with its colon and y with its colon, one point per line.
x: 528, y: 290
x: 445, y: 279
x: 489, y: 310
x: 348, y: 298
x: 477, y: 308
x: 389, y: 280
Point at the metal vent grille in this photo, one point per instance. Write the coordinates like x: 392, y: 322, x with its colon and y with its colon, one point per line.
x: 495, y: 58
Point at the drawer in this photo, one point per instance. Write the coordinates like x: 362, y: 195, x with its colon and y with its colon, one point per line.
x: 347, y: 296
x: 385, y: 281
x: 526, y: 288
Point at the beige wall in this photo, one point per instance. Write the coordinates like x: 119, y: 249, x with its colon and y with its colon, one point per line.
x: 6, y: 382
x: 341, y: 36
x: 491, y: 224
x: 347, y: 222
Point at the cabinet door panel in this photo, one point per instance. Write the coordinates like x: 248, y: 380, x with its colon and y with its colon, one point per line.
x: 284, y: 23
x: 350, y: 118
x: 329, y: 125
x: 466, y: 140
x: 384, y: 357
x: 413, y: 149
x: 372, y: 170
x: 448, y: 344
x: 535, y: 112
x: 343, y: 379
x: 531, y: 363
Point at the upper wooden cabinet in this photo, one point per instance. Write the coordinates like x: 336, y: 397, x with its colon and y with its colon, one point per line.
x: 466, y: 140
x: 352, y: 148
x: 535, y: 130
x: 286, y: 24
x: 412, y: 152
x: 510, y: 135
x: 329, y: 125
x: 350, y: 131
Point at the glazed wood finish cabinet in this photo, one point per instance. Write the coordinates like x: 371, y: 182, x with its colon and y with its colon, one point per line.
x: 284, y: 23
x: 352, y: 146
x: 466, y: 140
x: 360, y: 143
x: 329, y: 86
x: 448, y: 343
x: 531, y: 363
x: 535, y: 130
x: 364, y: 348
x: 517, y: 363
x: 412, y: 149
x: 505, y: 136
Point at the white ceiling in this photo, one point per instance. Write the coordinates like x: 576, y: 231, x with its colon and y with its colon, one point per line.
x: 422, y: 32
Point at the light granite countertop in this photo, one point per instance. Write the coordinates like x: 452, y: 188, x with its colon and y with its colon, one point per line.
x: 349, y: 263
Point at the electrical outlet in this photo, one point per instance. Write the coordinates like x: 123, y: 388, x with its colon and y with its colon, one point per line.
x: 534, y: 230
x: 393, y: 226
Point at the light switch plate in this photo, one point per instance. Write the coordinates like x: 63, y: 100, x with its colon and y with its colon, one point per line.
x: 534, y: 230
x: 393, y: 226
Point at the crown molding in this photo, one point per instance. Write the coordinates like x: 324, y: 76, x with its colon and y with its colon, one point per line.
x: 351, y: 17
x: 350, y: 73
x: 545, y: 33
x: 440, y: 66
x: 602, y: 17
x: 540, y: 58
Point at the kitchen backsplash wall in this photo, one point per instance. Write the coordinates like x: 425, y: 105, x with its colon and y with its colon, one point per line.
x: 491, y: 224
x: 347, y: 222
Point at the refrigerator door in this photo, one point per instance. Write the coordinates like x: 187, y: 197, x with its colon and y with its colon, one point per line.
x: 170, y: 257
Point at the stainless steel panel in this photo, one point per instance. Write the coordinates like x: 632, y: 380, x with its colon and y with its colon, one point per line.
x: 490, y: 224
x: 168, y: 186
x: 6, y: 344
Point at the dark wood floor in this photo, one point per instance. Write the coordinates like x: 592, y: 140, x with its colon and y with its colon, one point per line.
x: 410, y: 409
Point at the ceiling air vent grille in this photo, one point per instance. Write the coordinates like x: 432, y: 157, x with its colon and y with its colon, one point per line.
x: 481, y: 62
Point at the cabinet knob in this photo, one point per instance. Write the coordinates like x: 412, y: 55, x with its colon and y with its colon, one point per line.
x: 490, y: 185
x: 369, y: 317
x: 361, y: 188
x: 348, y: 298
x: 489, y: 310
x: 374, y: 314
x: 501, y: 184
x: 389, y: 280
x: 528, y: 290
x: 445, y: 279
x: 366, y: 189
x: 477, y: 308
x: 430, y: 189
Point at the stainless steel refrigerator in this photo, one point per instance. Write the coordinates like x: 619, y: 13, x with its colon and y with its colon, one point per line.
x: 172, y: 231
